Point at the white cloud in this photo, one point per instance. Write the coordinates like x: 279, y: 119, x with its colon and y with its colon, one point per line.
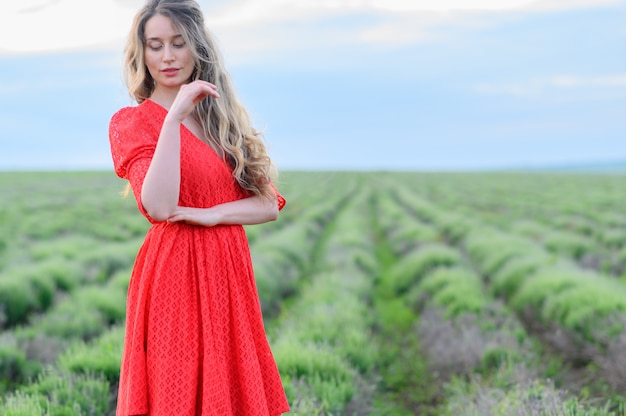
x: 250, y: 28
x: 448, y: 5
x: 245, y: 11
x: 489, y: 5
x: 537, y: 86
x: 48, y: 25
x: 568, y: 81
x: 32, y: 26
x: 571, y: 4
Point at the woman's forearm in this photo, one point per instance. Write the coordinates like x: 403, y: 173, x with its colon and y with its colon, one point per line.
x: 253, y: 210
x: 248, y: 211
x: 161, y: 186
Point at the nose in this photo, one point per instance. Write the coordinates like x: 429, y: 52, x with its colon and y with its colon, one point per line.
x: 168, y: 55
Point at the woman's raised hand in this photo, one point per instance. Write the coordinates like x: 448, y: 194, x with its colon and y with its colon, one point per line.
x: 189, y: 96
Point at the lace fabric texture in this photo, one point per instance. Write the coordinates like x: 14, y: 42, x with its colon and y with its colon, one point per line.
x: 195, y: 343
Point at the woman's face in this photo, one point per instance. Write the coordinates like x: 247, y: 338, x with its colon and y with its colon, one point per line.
x: 166, y: 54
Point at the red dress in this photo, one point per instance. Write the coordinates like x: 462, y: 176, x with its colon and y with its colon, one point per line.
x: 195, y: 343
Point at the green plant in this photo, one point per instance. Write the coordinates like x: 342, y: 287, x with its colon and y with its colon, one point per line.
x: 101, y: 356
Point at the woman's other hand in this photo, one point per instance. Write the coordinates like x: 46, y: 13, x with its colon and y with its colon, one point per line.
x: 188, y: 97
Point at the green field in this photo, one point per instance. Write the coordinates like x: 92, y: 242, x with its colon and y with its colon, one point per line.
x: 384, y: 293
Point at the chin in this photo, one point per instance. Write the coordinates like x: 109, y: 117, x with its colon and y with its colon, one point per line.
x: 171, y: 83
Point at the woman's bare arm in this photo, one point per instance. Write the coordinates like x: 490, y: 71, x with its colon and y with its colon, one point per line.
x: 248, y: 211
x: 161, y: 186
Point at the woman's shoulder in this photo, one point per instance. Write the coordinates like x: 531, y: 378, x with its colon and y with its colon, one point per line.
x: 132, y: 133
x: 133, y: 126
x: 129, y: 115
x: 133, y: 118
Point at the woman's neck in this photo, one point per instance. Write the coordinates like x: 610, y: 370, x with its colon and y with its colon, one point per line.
x: 164, y: 97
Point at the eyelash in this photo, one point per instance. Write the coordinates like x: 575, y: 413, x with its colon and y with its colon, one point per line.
x: 176, y: 45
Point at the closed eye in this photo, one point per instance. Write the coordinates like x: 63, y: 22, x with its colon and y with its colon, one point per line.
x: 155, y: 46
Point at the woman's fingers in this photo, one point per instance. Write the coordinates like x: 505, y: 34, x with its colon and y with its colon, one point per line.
x: 203, y: 88
x: 195, y: 92
x: 190, y: 95
x: 197, y: 216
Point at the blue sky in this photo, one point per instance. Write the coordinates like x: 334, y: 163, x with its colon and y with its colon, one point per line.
x: 352, y: 84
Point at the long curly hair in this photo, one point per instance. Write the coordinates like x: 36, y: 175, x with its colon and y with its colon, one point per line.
x: 225, y: 120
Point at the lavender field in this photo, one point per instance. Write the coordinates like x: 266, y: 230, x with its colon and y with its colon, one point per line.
x: 384, y: 293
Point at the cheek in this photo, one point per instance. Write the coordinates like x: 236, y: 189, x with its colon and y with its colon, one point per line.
x: 186, y: 57
x: 150, y: 64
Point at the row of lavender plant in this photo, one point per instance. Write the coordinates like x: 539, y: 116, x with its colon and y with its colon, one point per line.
x: 321, y: 341
x: 61, y: 381
x: 555, y: 299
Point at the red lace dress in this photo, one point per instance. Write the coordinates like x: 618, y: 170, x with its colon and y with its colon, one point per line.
x: 195, y: 343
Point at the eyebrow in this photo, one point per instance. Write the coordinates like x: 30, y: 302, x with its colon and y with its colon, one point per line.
x: 158, y: 38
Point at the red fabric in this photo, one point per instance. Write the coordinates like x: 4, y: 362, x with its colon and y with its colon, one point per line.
x: 195, y: 342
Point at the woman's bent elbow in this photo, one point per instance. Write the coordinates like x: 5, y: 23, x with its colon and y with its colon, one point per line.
x: 158, y: 216
x: 159, y: 213
x: 270, y: 209
x: 273, y: 214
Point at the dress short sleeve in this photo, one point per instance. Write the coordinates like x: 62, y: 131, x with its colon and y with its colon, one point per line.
x: 133, y: 141
x: 281, y: 200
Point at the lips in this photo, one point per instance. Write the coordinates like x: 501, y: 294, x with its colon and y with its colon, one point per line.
x: 170, y: 71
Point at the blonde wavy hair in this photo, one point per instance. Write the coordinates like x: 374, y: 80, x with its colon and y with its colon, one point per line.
x: 225, y: 120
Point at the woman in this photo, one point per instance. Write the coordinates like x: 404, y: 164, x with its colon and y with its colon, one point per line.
x: 195, y: 342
